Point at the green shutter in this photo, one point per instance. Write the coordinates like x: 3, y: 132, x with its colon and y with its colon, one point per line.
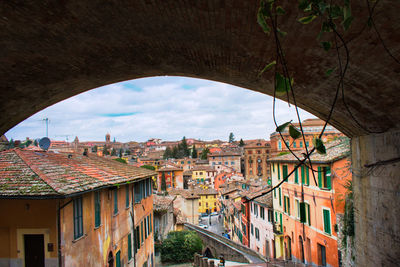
x: 115, y: 201
x: 296, y: 176
x: 127, y: 196
x: 309, y: 215
x: 280, y: 218
x: 129, y: 246
x: 327, y: 222
x: 303, y: 212
x: 279, y: 171
x: 151, y: 228
x: 118, y: 259
x: 307, y: 176
x: 328, y: 177
x: 97, y: 209
x: 302, y: 174
x: 319, y: 177
x: 288, y: 205
x: 275, y: 193
x: 280, y: 197
x: 284, y: 204
x: 284, y: 171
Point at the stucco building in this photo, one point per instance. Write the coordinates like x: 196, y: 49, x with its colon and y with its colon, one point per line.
x: 59, y: 205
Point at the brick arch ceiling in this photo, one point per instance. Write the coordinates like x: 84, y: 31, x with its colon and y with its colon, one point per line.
x: 51, y: 50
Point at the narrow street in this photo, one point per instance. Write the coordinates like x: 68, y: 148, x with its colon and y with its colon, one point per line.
x: 213, y: 225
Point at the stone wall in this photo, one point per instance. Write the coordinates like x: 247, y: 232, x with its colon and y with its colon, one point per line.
x: 376, y: 183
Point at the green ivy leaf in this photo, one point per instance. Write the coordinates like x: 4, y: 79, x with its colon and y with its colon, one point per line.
x: 308, y: 19
x: 267, y: 67
x: 294, y: 133
x: 282, y: 33
x: 335, y: 12
x: 303, y: 4
x: 326, y: 45
x: 282, y: 127
x: 282, y: 84
x: 280, y: 10
x: 262, y: 22
x: 319, y: 146
x: 329, y: 72
x: 347, y: 22
x: 322, y: 6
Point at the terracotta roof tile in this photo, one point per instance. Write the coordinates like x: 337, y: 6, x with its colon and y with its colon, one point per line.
x: 31, y: 173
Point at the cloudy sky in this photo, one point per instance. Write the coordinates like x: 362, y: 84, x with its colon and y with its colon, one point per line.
x: 161, y: 107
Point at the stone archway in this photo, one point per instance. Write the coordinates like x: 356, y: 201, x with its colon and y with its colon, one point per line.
x: 208, y: 253
x: 51, y: 51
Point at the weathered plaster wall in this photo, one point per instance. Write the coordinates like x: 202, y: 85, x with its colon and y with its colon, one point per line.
x: 377, y: 199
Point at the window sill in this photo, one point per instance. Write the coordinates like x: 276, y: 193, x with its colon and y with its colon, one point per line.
x: 79, y: 238
x: 97, y: 227
x: 115, y: 214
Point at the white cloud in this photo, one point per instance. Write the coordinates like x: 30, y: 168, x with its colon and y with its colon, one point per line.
x: 163, y: 107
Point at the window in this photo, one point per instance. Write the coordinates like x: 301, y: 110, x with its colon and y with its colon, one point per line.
x: 129, y: 246
x: 327, y: 221
x: 97, y: 209
x: 305, y: 216
x: 138, y: 192
x: 324, y: 177
x: 307, y: 144
x: 279, y: 172
x: 262, y: 213
x: 232, y: 163
x: 305, y: 176
x: 150, y: 224
x: 284, y: 171
x: 296, y: 176
x: 115, y: 201
x: 297, y: 208
x: 136, y: 240
x: 226, y: 163
x: 145, y: 228
x: 78, y: 218
x: 294, y: 144
x: 141, y: 232
x: 257, y: 233
x: 280, y: 197
x: 118, y: 259
x: 301, y: 144
x: 286, y: 204
x: 255, y: 209
x: 244, y: 228
x: 251, y: 229
x: 127, y: 196
x: 270, y: 215
x: 279, y: 145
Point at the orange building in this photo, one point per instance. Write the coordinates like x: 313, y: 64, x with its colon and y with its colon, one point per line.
x: 311, y: 128
x: 74, y: 210
x: 256, y: 154
x: 173, y: 177
x: 306, y: 211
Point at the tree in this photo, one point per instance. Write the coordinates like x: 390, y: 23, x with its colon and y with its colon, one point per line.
x: 149, y: 167
x: 121, y: 160
x: 120, y: 152
x: 105, y: 151
x: 113, y: 152
x: 35, y: 143
x: 241, y: 143
x: 127, y: 152
x: 185, y: 151
x: 163, y: 182
x: 11, y: 143
x: 231, y: 138
x: 175, y: 152
x: 205, y: 153
x: 194, y: 152
x: 168, y: 153
x: 180, y: 247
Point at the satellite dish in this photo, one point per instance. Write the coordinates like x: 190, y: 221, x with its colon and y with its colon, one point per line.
x: 44, y: 143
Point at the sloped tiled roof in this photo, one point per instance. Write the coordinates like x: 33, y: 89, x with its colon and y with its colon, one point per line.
x: 335, y: 150
x: 28, y: 173
x: 162, y: 202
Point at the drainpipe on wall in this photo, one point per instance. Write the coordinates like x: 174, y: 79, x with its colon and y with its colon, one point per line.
x: 133, y: 224
x: 60, y: 262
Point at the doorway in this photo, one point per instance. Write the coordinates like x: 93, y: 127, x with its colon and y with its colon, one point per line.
x: 321, y: 255
x: 34, y: 250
